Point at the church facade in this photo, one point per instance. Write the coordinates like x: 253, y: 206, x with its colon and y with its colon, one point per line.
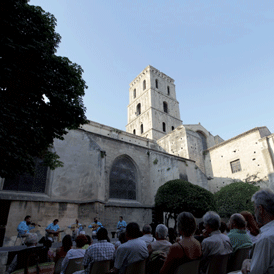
x: 108, y: 172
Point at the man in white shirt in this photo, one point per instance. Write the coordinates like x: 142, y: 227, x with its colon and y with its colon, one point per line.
x: 216, y: 243
x: 262, y: 261
x: 147, y: 236
x: 134, y: 250
x: 161, y: 242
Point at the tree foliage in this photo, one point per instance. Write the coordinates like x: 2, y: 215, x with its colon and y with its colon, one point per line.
x: 234, y: 198
x: 30, y: 72
x: 177, y: 195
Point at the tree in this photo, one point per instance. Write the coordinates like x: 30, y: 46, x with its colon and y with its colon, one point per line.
x: 177, y: 196
x: 41, y: 93
x: 234, y: 198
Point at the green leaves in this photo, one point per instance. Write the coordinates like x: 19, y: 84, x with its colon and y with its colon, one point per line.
x: 234, y: 198
x: 177, y: 195
x: 29, y: 69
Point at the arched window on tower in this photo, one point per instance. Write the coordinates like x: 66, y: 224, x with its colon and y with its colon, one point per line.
x: 164, y: 127
x: 123, y: 179
x: 172, y: 128
x: 168, y: 91
x: 134, y: 131
x: 156, y: 83
x: 165, y: 107
x: 144, y: 84
x: 203, y: 138
x: 134, y: 93
x: 138, y: 109
x: 142, y: 128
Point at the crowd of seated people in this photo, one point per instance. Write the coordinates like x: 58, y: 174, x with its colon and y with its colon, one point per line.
x: 163, y: 253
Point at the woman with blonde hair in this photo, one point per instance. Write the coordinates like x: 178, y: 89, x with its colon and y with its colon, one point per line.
x: 251, y: 226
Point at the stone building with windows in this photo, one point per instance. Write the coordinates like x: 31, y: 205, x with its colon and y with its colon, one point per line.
x: 108, y: 172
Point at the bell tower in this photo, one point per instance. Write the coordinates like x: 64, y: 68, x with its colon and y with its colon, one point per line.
x: 153, y: 110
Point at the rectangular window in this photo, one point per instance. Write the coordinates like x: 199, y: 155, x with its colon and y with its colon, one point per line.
x: 235, y: 166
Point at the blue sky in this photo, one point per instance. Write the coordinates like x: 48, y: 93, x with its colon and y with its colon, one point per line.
x: 220, y: 54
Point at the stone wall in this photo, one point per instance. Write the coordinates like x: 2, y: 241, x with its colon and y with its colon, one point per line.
x: 248, y: 149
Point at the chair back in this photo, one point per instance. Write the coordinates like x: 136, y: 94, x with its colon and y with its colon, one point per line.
x: 236, y: 260
x: 189, y: 268
x: 58, y: 265
x: 218, y: 264
x: 100, y: 267
x: 137, y: 268
x: 74, y: 265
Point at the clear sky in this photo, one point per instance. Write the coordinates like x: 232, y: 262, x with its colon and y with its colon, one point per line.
x: 220, y: 54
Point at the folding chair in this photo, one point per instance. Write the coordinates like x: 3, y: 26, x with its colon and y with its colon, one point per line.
x: 100, y: 267
x: 74, y: 265
x: 189, y: 268
x: 21, y: 238
x: 137, y: 268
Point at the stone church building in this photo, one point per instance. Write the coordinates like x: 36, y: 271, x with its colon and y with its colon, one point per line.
x: 108, y: 172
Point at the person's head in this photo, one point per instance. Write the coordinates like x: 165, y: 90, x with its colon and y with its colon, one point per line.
x: 223, y: 227
x: 31, y: 239
x: 132, y: 231
x: 161, y: 232
x: 186, y: 224
x: 264, y: 206
x: 67, y: 243
x: 121, y: 218
x: 76, y: 221
x: 237, y: 221
x: 251, y: 224
x: 95, y: 220
x: 47, y: 243
x: 90, y: 241
x: 122, y: 237
x: 81, y: 240
x: 55, y: 221
x: 147, y: 229
x: 212, y: 221
x: 102, y: 234
x: 28, y: 219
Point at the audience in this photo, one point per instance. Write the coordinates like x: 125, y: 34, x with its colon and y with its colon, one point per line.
x: 132, y: 251
x: 238, y: 235
x: 122, y: 239
x: 165, y: 257
x: 147, y: 235
x: 187, y: 249
x: 88, y: 244
x: 78, y: 252
x: 251, y: 226
x: 100, y: 251
x: 161, y: 242
x: 66, y: 246
x: 215, y: 242
x: 172, y: 235
x: 263, y: 256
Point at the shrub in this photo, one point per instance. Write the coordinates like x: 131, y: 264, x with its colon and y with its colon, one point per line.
x: 177, y: 196
x: 234, y: 198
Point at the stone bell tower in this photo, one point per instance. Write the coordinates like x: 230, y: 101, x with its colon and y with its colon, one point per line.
x: 153, y: 110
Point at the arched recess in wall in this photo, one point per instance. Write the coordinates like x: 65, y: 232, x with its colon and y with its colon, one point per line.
x: 203, y: 138
x: 144, y: 84
x: 138, y: 109
x: 123, y: 179
x: 36, y: 183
